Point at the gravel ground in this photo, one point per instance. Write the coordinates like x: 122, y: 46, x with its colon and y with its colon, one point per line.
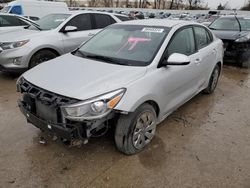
x: 205, y: 143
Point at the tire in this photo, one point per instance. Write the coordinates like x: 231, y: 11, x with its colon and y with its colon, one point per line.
x: 243, y: 60
x: 40, y: 57
x: 213, y: 81
x: 135, y: 130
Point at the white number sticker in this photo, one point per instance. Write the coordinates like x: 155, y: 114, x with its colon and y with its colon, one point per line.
x: 152, y: 30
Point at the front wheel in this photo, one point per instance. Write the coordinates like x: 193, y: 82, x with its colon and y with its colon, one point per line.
x: 41, y: 56
x: 213, y: 81
x: 136, y: 130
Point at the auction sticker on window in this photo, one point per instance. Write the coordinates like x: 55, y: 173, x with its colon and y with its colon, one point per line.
x: 152, y: 30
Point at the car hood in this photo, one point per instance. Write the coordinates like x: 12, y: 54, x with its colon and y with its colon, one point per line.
x: 81, y: 78
x: 229, y: 35
x: 18, y: 35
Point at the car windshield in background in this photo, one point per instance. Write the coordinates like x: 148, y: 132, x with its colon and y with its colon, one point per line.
x: 231, y: 24
x: 51, y: 21
x: 6, y: 9
x: 125, y: 44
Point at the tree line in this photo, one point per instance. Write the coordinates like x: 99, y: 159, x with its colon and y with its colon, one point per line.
x: 246, y: 6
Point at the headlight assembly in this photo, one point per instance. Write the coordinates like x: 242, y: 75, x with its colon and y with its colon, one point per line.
x: 95, y: 108
x: 12, y: 45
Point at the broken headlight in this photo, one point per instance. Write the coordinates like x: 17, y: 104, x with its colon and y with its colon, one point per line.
x: 94, y: 108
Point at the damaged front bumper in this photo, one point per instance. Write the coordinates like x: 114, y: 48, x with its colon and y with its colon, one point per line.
x: 58, y: 129
x: 42, y: 109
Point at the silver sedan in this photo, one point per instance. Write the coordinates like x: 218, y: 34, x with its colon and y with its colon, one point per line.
x: 131, y: 74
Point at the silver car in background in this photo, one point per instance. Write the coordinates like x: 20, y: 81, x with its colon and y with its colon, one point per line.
x: 131, y: 75
x: 53, y: 35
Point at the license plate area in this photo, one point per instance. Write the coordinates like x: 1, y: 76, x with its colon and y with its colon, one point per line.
x: 46, y: 112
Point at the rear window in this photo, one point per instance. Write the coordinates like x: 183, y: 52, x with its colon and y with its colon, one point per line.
x: 9, y: 21
x: 122, y: 18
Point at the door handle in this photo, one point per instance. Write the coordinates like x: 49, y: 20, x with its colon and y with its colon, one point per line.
x: 214, y: 51
x: 91, y: 34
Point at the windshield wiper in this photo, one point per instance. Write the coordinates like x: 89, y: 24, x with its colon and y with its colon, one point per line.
x: 103, y: 58
x: 35, y: 25
x: 99, y: 57
x: 212, y: 28
x: 78, y: 51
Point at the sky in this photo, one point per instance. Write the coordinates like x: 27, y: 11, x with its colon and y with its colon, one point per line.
x: 232, y: 3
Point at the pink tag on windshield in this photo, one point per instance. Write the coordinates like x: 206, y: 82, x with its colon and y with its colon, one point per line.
x: 135, y: 40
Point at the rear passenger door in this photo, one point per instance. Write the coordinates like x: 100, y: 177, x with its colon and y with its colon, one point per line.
x: 74, y: 39
x: 207, y: 50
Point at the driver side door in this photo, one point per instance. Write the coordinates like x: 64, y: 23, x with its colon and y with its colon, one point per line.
x: 180, y: 82
x: 73, y: 39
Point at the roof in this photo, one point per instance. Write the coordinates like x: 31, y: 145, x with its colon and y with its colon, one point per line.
x: 158, y: 22
x: 238, y: 16
x: 75, y: 12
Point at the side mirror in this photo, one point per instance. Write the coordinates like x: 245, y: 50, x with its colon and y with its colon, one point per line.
x: 177, y: 59
x: 70, y: 29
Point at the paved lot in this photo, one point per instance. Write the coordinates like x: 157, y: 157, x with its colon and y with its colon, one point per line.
x: 206, y: 143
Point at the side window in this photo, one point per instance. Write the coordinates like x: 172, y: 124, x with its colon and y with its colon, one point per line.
x: 8, y: 21
x: 102, y: 20
x: 16, y: 10
x: 82, y: 22
x: 182, y: 42
x: 202, y: 37
x: 209, y: 37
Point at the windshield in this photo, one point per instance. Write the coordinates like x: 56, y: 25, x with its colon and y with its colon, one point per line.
x: 125, y: 44
x: 231, y: 24
x: 6, y: 9
x: 51, y: 21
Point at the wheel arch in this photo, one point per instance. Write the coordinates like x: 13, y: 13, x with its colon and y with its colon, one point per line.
x: 45, y: 48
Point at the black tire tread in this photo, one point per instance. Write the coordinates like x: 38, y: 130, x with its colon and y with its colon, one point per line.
x: 125, y: 126
x: 208, y: 90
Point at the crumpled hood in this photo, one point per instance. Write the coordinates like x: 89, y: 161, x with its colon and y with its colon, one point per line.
x: 18, y: 35
x: 81, y: 78
x: 230, y: 35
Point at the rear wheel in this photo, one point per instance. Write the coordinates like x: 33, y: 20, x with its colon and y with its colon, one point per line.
x: 41, y: 56
x: 136, y: 130
x: 213, y: 80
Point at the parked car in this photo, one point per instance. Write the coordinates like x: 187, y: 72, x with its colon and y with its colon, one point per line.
x: 133, y: 74
x: 34, y: 9
x: 12, y: 22
x: 56, y: 34
x: 234, y: 31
